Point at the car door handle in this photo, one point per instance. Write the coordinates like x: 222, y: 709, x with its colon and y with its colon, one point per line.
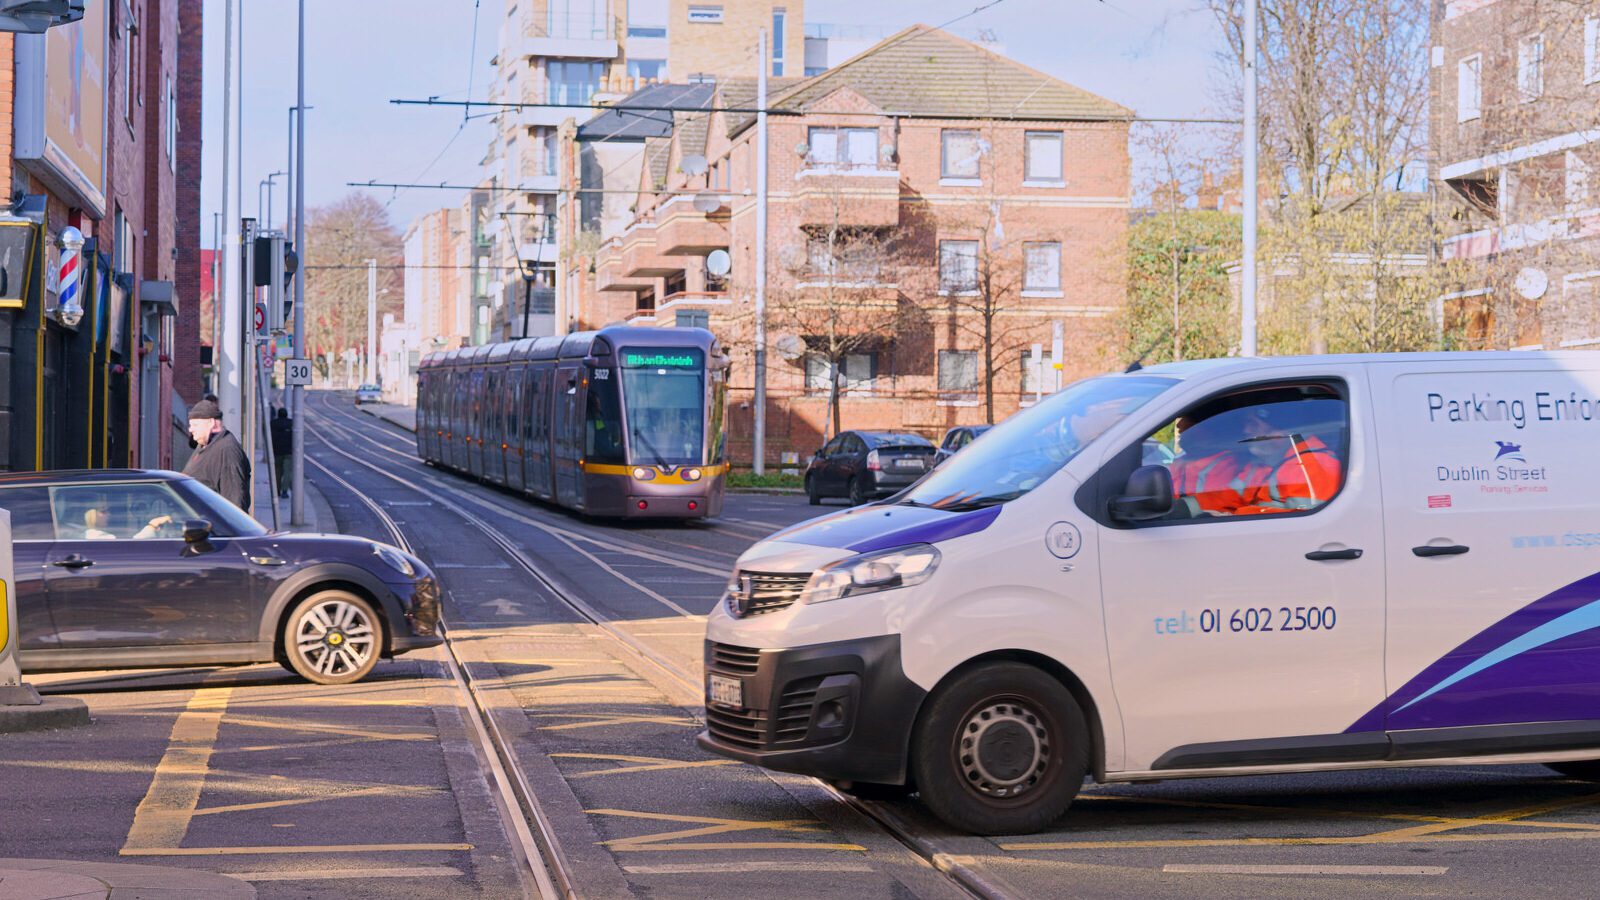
x: 73, y: 561
x: 1430, y: 550
x: 1320, y: 555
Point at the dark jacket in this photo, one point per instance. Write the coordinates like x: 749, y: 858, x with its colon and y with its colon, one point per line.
x: 222, y: 466
x: 282, y: 436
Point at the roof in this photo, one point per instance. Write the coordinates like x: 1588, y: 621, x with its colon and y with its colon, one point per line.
x: 929, y: 72
x: 657, y: 150
x: 741, y: 93
x: 85, y: 476
x: 615, y: 125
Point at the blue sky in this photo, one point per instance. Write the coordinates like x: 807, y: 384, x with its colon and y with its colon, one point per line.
x: 1157, y: 56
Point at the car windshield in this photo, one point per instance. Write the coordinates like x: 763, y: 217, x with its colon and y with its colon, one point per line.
x: 1020, y: 453
x: 226, y: 519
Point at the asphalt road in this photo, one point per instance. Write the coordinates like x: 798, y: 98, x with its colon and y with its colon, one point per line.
x: 378, y: 790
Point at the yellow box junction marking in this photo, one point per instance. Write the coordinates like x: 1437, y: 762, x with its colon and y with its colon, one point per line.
x: 645, y: 763
x: 678, y: 840
x: 597, y: 720
x: 5, y: 619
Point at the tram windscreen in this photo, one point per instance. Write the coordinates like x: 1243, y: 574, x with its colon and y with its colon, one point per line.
x: 663, y: 394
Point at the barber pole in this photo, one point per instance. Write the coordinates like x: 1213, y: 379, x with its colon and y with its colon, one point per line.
x: 69, y: 311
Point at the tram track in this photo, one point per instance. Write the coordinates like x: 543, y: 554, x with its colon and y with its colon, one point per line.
x: 929, y: 850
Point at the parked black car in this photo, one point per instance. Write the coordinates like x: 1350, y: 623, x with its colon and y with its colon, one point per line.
x: 132, y: 569
x: 863, y: 465
x: 956, y: 438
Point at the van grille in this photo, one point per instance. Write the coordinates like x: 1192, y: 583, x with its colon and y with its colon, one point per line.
x: 745, y: 728
x: 769, y: 592
x: 794, y: 710
x: 734, y: 660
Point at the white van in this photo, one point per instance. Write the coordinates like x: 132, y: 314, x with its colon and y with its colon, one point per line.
x: 1222, y: 567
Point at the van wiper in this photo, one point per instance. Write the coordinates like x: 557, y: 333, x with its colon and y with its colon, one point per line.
x: 983, y: 502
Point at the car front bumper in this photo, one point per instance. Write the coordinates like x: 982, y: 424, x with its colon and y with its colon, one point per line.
x: 419, y: 625
x: 842, y: 711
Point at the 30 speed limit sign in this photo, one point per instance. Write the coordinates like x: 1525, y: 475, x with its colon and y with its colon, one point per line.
x: 297, y: 371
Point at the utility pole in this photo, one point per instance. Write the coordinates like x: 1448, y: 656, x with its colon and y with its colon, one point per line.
x: 297, y: 474
x: 230, y: 312
x: 1252, y: 137
x: 759, y: 464
x: 372, y: 315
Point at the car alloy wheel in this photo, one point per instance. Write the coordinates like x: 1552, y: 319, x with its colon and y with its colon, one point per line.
x: 332, y: 638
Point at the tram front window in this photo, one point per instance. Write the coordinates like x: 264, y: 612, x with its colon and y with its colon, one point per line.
x: 663, y: 391
x: 603, y: 422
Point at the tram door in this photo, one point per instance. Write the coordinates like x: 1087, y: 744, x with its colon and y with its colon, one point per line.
x: 537, y: 412
x: 568, y: 403
x: 512, y: 428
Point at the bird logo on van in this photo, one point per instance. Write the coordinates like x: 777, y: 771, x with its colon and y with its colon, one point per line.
x: 1509, y: 450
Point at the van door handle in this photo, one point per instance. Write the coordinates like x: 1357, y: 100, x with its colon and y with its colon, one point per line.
x: 73, y: 561
x: 1320, y: 555
x: 1430, y: 550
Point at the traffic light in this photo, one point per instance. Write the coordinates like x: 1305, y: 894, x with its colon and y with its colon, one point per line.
x: 275, y: 267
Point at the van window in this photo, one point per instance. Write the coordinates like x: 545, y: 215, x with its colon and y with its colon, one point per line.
x: 1260, y: 452
x: 1026, y: 449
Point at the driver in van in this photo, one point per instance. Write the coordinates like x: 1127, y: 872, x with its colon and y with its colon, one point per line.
x: 1260, y: 469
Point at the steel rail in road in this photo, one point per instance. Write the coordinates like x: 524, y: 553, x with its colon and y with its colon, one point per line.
x: 925, y: 848
x: 511, y: 785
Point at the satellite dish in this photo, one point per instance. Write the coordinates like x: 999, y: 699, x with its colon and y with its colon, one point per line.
x: 886, y: 152
x: 719, y: 263
x: 707, y: 202
x: 693, y: 165
x: 789, y: 346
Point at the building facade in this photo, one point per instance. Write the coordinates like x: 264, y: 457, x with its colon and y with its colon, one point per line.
x: 1516, y: 89
x: 93, y: 131
x: 936, y: 213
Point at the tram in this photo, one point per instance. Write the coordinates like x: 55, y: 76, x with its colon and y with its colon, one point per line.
x: 620, y: 422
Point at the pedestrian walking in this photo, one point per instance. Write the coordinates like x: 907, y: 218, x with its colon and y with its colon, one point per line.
x: 218, y: 462
x: 282, y: 448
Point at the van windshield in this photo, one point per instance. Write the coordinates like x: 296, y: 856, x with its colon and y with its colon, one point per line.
x: 1021, y: 452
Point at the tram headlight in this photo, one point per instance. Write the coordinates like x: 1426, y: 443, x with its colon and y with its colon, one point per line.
x: 872, y: 572
x: 394, y: 559
x: 691, y: 474
x: 641, y: 473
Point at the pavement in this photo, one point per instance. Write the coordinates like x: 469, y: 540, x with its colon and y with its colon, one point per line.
x: 61, y: 879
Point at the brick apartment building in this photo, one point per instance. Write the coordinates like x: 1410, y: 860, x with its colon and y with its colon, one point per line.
x: 100, y: 118
x: 1516, y: 88
x: 917, y: 192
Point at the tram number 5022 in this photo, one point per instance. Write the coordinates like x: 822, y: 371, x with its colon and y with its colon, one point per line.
x: 602, y: 374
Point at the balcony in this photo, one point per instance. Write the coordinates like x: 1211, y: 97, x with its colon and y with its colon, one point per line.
x: 641, y: 257
x: 574, y: 35
x: 608, y: 272
x: 682, y: 230
x: 868, y: 198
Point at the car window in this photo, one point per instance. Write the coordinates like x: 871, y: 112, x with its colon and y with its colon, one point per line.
x: 107, y: 512
x: 226, y: 519
x: 853, y: 444
x: 30, y: 513
x: 962, y: 439
x: 1260, y: 452
x: 833, y: 446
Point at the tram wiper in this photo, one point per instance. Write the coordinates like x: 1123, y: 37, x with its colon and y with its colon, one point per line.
x: 649, y: 447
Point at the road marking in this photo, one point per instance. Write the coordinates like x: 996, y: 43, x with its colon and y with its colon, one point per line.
x: 395, y: 790
x: 327, y: 848
x: 711, y: 868
x: 328, y: 874
x: 319, y: 728
x: 599, y: 720
x: 646, y: 763
x: 1304, y: 870
x: 677, y: 840
x: 488, y: 565
x: 162, y: 818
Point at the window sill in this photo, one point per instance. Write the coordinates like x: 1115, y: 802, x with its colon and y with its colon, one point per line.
x: 1460, y: 119
x: 1052, y: 295
x: 847, y: 172
x: 946, y: 292
x: 958, y: 402
x: 961, y: 182
x: 1045, y: 184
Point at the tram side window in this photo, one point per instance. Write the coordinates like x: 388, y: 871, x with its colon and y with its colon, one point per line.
x: 603, y: 423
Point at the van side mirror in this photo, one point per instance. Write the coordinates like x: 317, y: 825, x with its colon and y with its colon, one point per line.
x: 1148, y: 495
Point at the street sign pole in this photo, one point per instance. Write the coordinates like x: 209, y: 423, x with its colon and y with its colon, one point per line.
x: 12, y: 691
x: 297, y: 478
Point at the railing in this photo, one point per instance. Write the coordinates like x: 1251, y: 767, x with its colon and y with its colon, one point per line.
x: 580, y: 25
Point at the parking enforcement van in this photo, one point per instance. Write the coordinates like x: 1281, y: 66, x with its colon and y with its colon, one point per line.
x: 1222, y: 567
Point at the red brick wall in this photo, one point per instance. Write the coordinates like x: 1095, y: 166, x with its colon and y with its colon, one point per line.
x: 187, y: 339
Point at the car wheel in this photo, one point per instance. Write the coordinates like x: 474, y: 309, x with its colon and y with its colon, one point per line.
x: 332, y: 637
x: 811, y: 491
x: 1581, y: 769
x: 1003, y: 749
x: 857, y: 495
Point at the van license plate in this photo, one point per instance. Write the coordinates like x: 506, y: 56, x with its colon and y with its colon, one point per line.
x: 727, y: 691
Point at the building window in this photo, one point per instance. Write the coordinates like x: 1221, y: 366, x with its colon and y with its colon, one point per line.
x: 1037, y: 375
x: 1530, y: 67
x: 858, y: 373
x: 694, y: 318
x: 706, y: 15
x: 574, y: 82
x: 813, y: 71
x: 172, y: 127
x: 118, y: 258
x: 851, y: 255
x: 960, y: 152
x: 780, y: 18
x: 128, y: 34
x: 958, y: 266
x: 578, y: 19
x: 1041, y: 267
x: 1578, y: 177
x: 1042, y: 153
x: 647, y: 18
x: 1469, y: 88
x: 652, y: 69
x: 1591, y: 50
x: 958, y: 376
x: 843, y: 148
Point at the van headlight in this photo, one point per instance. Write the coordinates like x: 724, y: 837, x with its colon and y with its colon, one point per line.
x: 869, y: 572
x: 395, y: 559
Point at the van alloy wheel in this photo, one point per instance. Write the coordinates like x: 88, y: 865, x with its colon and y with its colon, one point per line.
x: 332, y: 638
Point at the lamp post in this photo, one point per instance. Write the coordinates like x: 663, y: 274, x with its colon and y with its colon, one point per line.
x: 266, y: 208
x: 530, y: 271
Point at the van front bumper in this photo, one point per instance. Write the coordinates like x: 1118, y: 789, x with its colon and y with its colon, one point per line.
x: 841, y: 711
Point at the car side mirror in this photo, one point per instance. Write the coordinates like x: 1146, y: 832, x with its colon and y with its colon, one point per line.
x: 196, y: 531
x: 1148, y: 495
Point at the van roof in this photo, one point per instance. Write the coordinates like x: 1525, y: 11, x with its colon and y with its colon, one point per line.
x: 1193, y: 367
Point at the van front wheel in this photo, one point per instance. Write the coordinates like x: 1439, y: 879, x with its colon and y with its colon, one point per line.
x: 1581, y: 769
x: 1001, y: 750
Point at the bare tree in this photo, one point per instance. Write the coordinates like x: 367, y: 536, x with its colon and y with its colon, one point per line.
x: 340, y: 238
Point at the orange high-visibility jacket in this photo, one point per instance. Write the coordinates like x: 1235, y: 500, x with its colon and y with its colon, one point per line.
x: 1309, y: 475
x: 1214, y: 482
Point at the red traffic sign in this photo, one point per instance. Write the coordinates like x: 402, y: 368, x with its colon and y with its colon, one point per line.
x: 261, y: 318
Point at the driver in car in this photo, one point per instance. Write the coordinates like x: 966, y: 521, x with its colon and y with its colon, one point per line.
x: 98, y: 516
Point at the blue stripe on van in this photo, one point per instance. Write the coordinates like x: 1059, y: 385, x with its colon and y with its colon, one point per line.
x: 869, y: 528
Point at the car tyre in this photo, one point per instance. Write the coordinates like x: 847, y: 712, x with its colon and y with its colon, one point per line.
x: 812, y: 497
x: 1581, y: 769
x: 333, y: 637
x: 1002, y: 749
x: 858, y: 496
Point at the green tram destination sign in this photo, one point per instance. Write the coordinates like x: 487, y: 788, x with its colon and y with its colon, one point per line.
x: 660, y: 359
